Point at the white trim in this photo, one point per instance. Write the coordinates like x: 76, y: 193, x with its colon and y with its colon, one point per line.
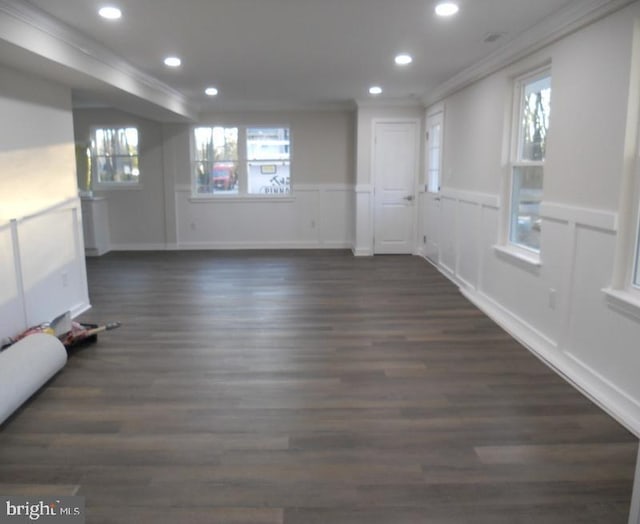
x: 364, y: 188
x: 471, y: 197
x: 62, y: 44
x: 239, y: 199
x: 623, y: 302
x: 582, y: 216
x: 248, y: 245
x: 139, y: 247
x: 362, y: 252
x: 519, y: 255
x: 554, y: 27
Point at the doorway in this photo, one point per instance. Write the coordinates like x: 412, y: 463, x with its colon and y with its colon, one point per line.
x: 395, y: 166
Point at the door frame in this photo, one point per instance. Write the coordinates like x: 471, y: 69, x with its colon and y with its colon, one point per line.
x: 418, y: 153
x: 436, y: 111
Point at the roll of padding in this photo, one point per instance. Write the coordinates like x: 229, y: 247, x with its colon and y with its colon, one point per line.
x: 25, y: 367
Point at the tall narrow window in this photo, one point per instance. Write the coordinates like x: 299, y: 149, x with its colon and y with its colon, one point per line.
x: 215, y: 163
x: 268, y: 161
x: 434, y: 150
x: 114, y: 156
x: 527, y: 166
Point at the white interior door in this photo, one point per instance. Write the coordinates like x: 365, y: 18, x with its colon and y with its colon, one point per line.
x: 434, y: 178
x: 395, y: 168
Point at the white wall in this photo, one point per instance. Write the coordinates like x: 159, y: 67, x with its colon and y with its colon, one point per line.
x: 42, y: 254
x: 162, y: 214
x: 558, y: 309
x: 136, y: 215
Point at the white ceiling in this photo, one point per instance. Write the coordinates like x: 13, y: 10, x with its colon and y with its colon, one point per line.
x: 301, y: 53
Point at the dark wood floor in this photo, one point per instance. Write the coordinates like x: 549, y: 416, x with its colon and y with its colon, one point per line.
x: 304, y: 388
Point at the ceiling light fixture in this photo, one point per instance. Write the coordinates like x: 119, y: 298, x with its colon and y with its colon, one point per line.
x: 110, y: 12
x: 211, y: 91
x: 172, y: 61
x: 403, y: 59
x: 447, y: 9
x: 375, y: 90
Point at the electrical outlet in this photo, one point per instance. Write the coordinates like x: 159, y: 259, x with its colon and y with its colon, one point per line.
x: 193, y: 226
x: 552, y: 298
x: 313, y: 224
x: 424, y: 239
x: 65, y: 279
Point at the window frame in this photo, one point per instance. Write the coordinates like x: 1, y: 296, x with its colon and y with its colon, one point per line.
x: 521, y: 251
x: 96, y: 183
x: 243, y: 158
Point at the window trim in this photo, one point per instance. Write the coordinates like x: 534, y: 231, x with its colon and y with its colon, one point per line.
x: 96, y: 184
x: 243, y: 159
x: 507, y: 246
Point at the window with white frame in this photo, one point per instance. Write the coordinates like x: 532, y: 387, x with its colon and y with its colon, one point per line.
x: 529, y: 144
x: 114, y: 156
x: 434, y: 152
x: 241, y: 160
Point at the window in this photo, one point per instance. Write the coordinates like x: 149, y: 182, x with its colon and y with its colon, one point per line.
x: 268, y: 161
x: 434, y: 152
x: 533, y: 96
x: 114, y: 156
x: 241, y: 161
x: 216, y: 160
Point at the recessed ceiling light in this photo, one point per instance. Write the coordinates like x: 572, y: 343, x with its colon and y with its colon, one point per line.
x: 110, y: 12
x: 172, y: 61
x: 211, y: 91
x: 403, y: 59
x: 375, y: 90
x: 447, y: 9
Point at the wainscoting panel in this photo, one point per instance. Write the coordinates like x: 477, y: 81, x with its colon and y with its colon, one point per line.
x: 312, y: 217
x: 43, y: 256
x: 557, y: 309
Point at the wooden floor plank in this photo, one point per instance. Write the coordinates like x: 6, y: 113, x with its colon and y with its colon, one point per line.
x: 309, y: 387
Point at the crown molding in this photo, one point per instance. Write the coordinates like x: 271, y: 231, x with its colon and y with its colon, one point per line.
x: 69, y: 38
x: 390, y: 102
x: 565, y: 21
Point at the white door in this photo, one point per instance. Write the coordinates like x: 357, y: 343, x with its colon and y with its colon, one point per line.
x: 395, y: 168
x: 434, y: 178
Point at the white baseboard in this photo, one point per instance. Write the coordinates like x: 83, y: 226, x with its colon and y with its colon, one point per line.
x: 606, y: 395
x: 362, y: 252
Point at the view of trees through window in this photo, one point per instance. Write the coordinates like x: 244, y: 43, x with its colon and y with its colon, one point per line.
x: 528, y: 166
x: 247, y: 160
x: 216, y: 160
x: 115, y: 155
x: 536, y: 109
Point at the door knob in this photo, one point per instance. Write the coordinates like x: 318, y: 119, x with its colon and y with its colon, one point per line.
x: 409, y: 198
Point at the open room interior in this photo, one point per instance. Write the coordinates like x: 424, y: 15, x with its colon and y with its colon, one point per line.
x: 353, y: 288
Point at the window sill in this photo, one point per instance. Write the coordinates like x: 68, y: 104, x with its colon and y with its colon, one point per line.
x: 530, y: 259
x: 623, y: 301
x: 240, y: 198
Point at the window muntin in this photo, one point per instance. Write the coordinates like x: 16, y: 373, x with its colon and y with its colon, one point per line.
x: 216, y: 160
x: 527, y: 166
x: 114, y: 156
